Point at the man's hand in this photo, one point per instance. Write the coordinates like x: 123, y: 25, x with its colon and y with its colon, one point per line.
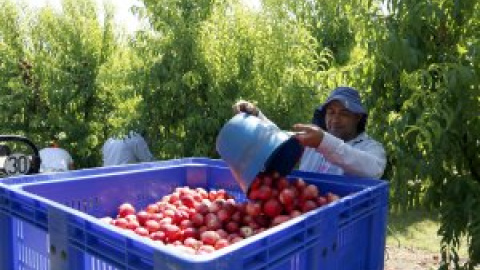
x: 308, y: 135
x: 246, y: 107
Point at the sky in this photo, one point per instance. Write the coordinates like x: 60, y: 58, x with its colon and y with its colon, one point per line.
x: 123, y: 17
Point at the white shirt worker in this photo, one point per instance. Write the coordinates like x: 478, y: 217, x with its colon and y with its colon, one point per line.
x: 55, y: 159
x: 131, y: 149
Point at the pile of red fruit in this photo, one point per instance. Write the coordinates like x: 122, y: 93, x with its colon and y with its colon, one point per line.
x: 200, y: 222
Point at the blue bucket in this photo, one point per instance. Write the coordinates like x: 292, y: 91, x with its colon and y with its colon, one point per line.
x: 250, y: 146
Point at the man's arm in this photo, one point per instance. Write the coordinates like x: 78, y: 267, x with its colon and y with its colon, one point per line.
x: 370, y: 161
x: 367, y: 162
x: 142, y: 152
x: 69, y: 158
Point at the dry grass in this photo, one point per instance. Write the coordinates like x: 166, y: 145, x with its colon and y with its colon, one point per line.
x: 413, y: 242
x: 416, y: 229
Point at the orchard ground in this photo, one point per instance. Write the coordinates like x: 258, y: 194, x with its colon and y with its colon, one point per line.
x: 413, y: 243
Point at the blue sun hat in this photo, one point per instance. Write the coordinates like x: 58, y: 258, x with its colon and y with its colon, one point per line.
x: 350, y: 98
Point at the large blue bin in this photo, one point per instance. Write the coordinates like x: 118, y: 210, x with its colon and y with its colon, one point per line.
x: 53, y: 224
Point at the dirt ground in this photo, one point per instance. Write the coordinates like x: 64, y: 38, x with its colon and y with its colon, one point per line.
x: 405, y: 258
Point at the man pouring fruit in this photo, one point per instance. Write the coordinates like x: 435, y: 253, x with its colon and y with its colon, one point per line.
x: 336, y: 141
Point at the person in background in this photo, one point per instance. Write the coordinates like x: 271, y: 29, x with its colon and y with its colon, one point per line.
x: 336, y: 141
x: 5, y: 151
x: 128, y: 149
x: 54, y: 158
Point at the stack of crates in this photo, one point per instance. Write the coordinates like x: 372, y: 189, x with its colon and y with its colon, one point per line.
x: 52, y: 222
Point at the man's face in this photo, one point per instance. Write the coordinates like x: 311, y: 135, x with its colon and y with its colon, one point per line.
x: 341, y: 122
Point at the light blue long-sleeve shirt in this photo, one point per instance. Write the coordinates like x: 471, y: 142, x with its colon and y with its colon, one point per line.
x: 361, y: 156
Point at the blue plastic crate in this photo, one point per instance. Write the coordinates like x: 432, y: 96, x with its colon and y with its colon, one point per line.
x: 15, y: 180
x: 54, y: 225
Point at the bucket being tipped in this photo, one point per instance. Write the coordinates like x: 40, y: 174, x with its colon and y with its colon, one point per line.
x: 250, y: 146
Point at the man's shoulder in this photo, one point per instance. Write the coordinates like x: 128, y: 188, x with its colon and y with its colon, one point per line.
x: 53, y: 151
x: 113, y: 143
x: 64, y: 151
x: 61, y: 151
x: 135, y: 141
x: 365, y: 139
x: 46, y: 150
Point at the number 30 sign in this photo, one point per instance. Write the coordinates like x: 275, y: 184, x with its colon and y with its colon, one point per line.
x: 16, y: 164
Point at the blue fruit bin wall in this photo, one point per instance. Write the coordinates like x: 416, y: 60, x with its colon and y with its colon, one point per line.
x: 52, y: 222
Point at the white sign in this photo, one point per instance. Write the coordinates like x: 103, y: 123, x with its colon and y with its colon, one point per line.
x: 16, y: 164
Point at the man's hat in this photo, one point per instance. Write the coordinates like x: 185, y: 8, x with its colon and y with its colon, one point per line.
x: 349, y: 98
